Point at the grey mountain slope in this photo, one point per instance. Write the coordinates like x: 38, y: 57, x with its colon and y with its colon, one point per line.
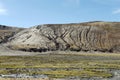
x: 90, y: 36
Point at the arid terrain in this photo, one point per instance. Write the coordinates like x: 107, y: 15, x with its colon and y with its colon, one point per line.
x: 92, y: 36
x: 79, y: 51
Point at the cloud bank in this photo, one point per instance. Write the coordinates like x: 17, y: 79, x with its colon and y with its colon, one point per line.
x: 3, y: 10
x: 116, y: 11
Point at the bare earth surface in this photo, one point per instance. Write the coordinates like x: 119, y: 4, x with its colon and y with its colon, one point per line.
x: 4, y: 51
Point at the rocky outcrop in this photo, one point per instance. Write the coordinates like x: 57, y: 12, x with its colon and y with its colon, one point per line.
x: 91, y: 36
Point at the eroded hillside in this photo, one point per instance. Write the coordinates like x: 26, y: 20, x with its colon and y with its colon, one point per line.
x: 6, y: 32
x: 91, y: 36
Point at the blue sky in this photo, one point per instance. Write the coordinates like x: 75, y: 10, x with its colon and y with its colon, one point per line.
x: 27, y: 13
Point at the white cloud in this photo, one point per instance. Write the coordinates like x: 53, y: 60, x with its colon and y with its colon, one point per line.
x: 3, y: 10
x: 116, y: 11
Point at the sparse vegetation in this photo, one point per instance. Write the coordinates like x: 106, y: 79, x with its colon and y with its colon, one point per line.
x: 62, y: 65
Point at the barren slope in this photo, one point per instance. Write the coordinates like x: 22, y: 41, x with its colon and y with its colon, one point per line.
x: 6, y: 32
x: 91, y: 36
